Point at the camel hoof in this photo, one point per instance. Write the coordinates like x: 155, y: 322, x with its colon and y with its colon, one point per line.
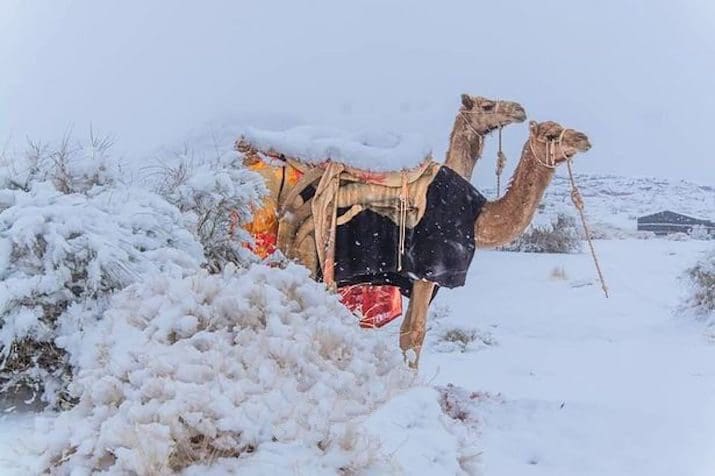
x: 411, y: 358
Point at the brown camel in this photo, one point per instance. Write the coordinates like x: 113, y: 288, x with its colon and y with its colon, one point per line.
x: 504, y: 219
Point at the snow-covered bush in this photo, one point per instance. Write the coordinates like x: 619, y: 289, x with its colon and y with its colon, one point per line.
x: 462, y: 339
x: 701, y: 280
x: 71, y: 166
x: 644, y: 235
x: 225, y: 368
x: 71, y: 234
x: 561, y: 236
x: 216, y: 196
x: 678, y: 236
x: 605, y: 231
x: 700, y: 232
x: 460, y: 404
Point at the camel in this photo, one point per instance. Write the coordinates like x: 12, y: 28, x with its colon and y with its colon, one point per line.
x: 503, y: 220
x: 497, y: 223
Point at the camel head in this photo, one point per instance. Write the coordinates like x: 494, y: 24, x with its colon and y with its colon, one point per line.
x: 553, y: 144
x: 485, y: 115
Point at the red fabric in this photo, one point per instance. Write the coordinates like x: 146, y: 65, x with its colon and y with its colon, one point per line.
x: 375, y: 305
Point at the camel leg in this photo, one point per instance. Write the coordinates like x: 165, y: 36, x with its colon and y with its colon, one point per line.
x: 414, y: 326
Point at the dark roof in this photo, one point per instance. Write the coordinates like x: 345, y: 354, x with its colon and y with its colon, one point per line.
x: 667, y: 216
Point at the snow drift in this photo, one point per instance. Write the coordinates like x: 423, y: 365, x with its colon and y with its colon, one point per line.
x: 183, y: 371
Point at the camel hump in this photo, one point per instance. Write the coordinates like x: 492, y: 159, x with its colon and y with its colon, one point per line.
x: 377, y: 152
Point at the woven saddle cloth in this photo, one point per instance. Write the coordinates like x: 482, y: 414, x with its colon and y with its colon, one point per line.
x: 397, y: 195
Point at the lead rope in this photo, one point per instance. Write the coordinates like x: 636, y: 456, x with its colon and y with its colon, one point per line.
x: 577, y: 201
x: 403, y: 221
x: 501, y: 163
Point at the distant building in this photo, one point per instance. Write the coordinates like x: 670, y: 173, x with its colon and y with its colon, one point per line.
x: 665, y: 222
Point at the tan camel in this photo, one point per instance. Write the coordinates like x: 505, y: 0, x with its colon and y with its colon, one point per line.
x: 504, y: 219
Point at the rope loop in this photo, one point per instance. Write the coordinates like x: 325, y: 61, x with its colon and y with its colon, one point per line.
x: 577, y: 199
x: 501, y: 162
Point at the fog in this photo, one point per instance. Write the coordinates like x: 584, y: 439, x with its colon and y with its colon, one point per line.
x: 636, y: 76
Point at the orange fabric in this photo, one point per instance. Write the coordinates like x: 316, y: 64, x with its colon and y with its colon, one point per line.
x: 374, y: 305
x: 264, y: 227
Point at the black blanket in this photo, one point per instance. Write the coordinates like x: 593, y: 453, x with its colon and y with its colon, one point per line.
x: 439, y: 249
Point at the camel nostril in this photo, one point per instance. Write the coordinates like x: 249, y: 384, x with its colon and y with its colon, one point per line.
x: 585, y: 143
x: 519, y: 114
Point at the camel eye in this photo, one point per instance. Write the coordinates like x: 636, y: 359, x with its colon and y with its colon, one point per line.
x: 487, y: 107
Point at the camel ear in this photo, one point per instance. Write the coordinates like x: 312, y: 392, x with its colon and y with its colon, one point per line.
x: 467, y: 101
x: 533, y: 127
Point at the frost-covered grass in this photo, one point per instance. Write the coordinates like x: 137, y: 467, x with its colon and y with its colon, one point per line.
x: 72, y: 232
x: 560, y: 236
x: 701, y: 287
x: 462, y: 339
x: 215, y: 194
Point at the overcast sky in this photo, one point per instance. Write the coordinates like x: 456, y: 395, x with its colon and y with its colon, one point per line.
x: 637, y: 76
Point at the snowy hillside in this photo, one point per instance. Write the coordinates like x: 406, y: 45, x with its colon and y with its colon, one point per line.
x: 614, y: 202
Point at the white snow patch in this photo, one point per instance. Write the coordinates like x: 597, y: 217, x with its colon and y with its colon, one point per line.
x: 422, y: 438
x: 379, y: 151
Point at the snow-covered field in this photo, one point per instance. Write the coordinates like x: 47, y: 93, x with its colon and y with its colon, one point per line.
x: 559, y: 380
x: 580, y: 384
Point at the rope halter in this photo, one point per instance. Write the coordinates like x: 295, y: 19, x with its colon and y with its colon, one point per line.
x: 480, y: 135
x: 550, y: 146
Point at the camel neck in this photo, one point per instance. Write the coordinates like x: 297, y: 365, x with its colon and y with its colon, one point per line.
x: 465, y: 148
x: 512, y: 213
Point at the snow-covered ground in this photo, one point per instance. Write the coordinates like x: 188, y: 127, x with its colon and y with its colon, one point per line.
x: 560, y: 380
x: 580, y: 384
